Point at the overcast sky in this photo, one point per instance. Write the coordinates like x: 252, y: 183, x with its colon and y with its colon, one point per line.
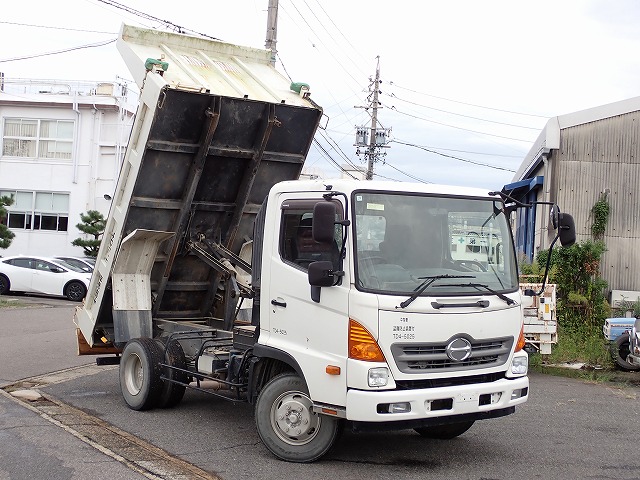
x: 466, y: 84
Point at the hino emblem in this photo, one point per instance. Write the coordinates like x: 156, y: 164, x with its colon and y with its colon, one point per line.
x: 459, y: 349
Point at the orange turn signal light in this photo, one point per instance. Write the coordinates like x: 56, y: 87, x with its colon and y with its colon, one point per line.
x: 362, y: 345
x: 521, y: 341
x: 332, y: 370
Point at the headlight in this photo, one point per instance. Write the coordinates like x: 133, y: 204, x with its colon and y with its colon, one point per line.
x: 520, y: 365
x: 378, y: 377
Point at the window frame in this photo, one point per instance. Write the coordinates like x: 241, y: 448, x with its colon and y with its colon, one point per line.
x: 304, y: 204
x: 32, y: 216
x: 60, y: 155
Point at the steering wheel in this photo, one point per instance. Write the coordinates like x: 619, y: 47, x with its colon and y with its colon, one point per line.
x: 471, y: 265
x: 374, y: 259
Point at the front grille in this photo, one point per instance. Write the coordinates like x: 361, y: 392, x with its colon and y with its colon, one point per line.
x: 449, y: 382
x: 429, y: 357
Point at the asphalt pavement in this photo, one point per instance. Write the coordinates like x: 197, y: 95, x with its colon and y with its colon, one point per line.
x: 568, y: 429
x: 37, y: 338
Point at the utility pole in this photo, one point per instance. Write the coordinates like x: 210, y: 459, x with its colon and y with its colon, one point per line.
x: 374, y: 124
x: 375, y: 139
x: 272, y: 29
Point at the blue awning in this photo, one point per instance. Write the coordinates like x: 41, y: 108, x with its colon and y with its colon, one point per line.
x: 520, y: 189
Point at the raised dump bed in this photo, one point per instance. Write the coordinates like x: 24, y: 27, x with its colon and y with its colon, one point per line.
x: 217, y: 126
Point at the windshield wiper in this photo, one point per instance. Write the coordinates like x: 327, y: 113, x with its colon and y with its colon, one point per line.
x: 481, y: 286
x: 425, y: 284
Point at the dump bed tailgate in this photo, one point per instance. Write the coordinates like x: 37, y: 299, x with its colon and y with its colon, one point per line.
x: 213, y: 133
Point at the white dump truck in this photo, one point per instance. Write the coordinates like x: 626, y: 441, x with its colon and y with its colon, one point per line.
x: 326, y: 304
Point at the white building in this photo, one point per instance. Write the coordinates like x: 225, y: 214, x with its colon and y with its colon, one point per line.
x: 61, y: 149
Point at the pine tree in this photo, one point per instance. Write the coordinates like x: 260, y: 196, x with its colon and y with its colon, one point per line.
x: 93, y: 225
x: 6, y: 235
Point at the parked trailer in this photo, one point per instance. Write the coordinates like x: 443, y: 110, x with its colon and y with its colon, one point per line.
x: 324, y: 303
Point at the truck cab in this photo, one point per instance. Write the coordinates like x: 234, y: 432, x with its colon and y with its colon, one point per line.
x: 404, y: 311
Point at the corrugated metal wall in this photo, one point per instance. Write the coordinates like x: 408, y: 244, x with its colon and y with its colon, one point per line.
x: 593, y: 158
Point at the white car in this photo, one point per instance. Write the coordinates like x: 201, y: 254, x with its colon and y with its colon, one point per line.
x: 43, y: 275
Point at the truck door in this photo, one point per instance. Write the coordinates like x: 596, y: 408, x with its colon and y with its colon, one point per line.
x: 314, y: 333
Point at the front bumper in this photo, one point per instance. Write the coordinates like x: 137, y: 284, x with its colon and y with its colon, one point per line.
x: 428, y: 403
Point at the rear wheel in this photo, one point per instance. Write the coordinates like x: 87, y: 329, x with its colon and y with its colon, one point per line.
x: 620, y: 351
x: 172, y: 393
x: 140, y: 369
x: 445, y: 432
x: 5, y: 285
x: 75, y: 291
x: 287, y: 424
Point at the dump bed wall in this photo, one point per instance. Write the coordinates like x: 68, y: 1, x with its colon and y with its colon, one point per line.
x: 198, y: 165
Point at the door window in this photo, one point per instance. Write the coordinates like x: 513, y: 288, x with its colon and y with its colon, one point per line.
x: 297, y: 246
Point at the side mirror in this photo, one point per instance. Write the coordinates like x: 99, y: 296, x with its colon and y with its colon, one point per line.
x: 567, y: 229
x: 324, y: 219
x: 321, y: 274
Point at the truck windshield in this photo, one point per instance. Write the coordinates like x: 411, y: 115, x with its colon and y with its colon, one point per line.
x: 401, y: 239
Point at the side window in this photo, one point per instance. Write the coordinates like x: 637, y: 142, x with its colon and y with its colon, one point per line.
x: 44, y: 266
x: 297, y: 246
x: 21, y: 262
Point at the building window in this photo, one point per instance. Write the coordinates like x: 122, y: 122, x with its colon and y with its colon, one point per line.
x: 37, y: 210
x: 45, y: 139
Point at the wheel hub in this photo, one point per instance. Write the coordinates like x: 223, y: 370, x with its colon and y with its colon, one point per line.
x: 294, y: 420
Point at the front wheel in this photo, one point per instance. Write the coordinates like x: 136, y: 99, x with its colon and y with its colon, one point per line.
x: 620, y: 351
x: 140, y: 370
x: 75, y: 291
x: 445, y: 432
x: 287, y: 424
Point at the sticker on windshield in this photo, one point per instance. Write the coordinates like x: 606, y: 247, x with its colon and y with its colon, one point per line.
x: 375, y: 206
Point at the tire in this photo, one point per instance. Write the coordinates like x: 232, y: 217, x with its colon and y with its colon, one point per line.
x: 287, y: 425
x: 445, y: 432
x: 5, y: 284
x: 75, y: 291
x: 140, y: 370
x: 172, y: 393
x: 619, y: 352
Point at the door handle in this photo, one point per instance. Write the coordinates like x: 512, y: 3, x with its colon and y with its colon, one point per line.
x: 279, y: 304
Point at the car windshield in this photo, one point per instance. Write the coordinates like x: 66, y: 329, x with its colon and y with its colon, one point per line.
x: 401, y: 239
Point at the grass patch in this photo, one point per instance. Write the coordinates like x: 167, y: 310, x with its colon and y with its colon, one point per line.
x: 584, y: 345
x: 4, y: 303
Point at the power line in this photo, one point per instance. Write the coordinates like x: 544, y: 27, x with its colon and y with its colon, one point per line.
x: 58, y: 28
x: 465, y: 103
x: 326, y: 154
x: 407, y: 174
x: 146, y: 16
x: 453, y: 157
x: 453, y: 126
x: 491, y: 154
x: 337, y: 148
x: 319, y: 40
x: 340, y: 31
x: 331, y: 36
x: 92, y: 45
x: 459, y: 114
